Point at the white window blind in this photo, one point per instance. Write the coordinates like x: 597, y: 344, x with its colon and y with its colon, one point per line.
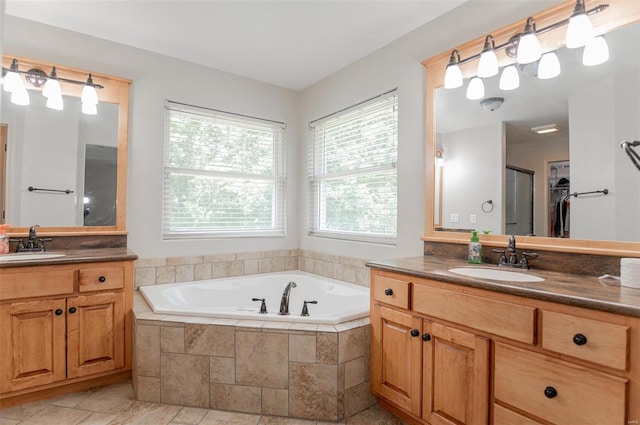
x: 224, y: 174
x: 352, y: 172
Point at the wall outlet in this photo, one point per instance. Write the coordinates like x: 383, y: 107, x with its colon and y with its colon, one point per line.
x: 454, y: 218
x: 473, y: 219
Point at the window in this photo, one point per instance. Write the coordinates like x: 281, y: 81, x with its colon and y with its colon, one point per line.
x: 223, y: 174
x: 352, y: 172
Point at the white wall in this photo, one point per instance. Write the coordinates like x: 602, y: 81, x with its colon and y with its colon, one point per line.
x: 473, y: 172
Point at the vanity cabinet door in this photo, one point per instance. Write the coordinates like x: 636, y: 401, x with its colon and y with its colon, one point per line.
x: 95, y: 334
x: 455, y: 376
x: 396, y: 357
x: 32, y: 344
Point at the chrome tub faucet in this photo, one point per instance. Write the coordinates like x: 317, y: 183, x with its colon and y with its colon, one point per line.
x: 284, y: 301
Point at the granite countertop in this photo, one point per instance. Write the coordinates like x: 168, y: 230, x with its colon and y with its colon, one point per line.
x: 94, y: 255
x: 577, y: 290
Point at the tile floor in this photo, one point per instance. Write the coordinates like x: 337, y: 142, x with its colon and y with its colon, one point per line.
x: 116, y: 405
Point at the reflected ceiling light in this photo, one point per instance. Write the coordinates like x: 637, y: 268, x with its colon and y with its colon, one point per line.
x: 492, y: 103
x: 544, y: 129
x: 52, y: 86
x: 20, y: 96
x: 453, y: 75
x: 89, y: 93
x: 549, y: 66
x: 55, y: 102
x: 488, y: 64
x: 89, y: 108
x: 475, y: 90
x: 12, y: 80
x: 580, y: 29
x: 529, y: 49
x: 595, y: 52
x: 439, y: 159
x: 509, y: 79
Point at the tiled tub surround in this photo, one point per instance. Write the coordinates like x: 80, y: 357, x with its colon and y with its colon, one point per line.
x: 151, y: 271
x: 273, y: 368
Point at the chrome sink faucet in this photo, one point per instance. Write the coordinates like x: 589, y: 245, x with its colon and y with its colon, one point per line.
x: 31, y: 245
x: 513, y: 256
x: 284, y: 301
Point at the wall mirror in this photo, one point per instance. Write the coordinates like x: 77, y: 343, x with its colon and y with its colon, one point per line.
x: 493, y: 172
x: 64, y: 170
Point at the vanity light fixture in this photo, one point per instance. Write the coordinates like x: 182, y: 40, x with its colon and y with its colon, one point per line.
x: 549, y: 66
x: 509, y: 79
x: 53, y: 92
x: 595, y: 52
x: 580, y: 29
x: 488, y: 64
x: 529, y: 49
x: 439, y: 159
x: 475, y: 90
x: 544, y: 129
x: 453, y: 75
x: 12, y: 80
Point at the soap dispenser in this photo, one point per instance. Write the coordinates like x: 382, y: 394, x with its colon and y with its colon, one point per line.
x: 475, y: 249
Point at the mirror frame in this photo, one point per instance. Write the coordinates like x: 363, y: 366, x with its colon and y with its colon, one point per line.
x: 619, y: 14
x: 116, y: 90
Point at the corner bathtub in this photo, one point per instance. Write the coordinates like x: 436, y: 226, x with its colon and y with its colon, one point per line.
x: 231, y: 298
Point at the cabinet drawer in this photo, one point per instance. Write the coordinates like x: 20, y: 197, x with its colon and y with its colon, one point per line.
x: 504, y: 416
x: 40, y: 283
x: 101, y: 278
x: 557, y: 391
x: 598, y: 342
x: 509, y: 320
x: 391, y: 291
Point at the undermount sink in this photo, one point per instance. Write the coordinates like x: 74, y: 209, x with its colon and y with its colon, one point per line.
x: 496, y: 274
x: 29, y: 256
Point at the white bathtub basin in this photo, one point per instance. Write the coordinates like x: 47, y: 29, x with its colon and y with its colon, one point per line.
x: 496, y: 274
x: 29, y: 256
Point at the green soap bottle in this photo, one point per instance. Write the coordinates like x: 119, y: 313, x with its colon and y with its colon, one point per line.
x: 475, y: 249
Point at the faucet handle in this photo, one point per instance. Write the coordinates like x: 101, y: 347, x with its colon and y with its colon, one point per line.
x: 502, y: 259
x: 524, y: 262
x: 263, y: 306
x: 305, y: 310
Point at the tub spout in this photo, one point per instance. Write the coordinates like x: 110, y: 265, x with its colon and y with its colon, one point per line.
x: 284, y: 302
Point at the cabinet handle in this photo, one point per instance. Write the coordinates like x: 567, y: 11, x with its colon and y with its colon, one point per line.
x: 72, y: 310
x: 102, y: 279
x: 388, y: 291
x: 59, y: 312
x: 579, y: 339
x: 426, y: 337
x: 415, y: 332
x: 550, y: 392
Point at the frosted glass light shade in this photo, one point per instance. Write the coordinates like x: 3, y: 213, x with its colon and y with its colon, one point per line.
x: 510, y: 79
x: 595, y: 52
x: 89, y: 108
x: 89, y: 95
x: 12, y: 82
x: 549, y: 66
x: 529, y: 49
x: 580, y: 31
x: 488, y: 64
x: 475, y: 90
x: 55, y: 102
x: 20, y: 96
x: 452, y: 77
x: 51, y: 88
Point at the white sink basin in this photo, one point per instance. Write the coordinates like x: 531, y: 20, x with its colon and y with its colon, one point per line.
x: 496, y: 274
x: 29, y: 256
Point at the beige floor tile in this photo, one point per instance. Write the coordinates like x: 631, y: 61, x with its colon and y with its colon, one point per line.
x: 4, y: 421
x: 275, y: 420
x: 144, y: 413
x: 374, y: 415
x: 24, y: 411
x: 217, y: 417
x: 70, y: 400
x: 189, y: 416
x: 57, y: 415
x: 112, y: 399
x: 97, y: 418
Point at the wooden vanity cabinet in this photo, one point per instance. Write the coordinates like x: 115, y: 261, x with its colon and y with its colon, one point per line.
x: 77, y: 331
x: 491, y: 358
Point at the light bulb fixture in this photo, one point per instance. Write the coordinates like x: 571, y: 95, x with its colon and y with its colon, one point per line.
x: 20, y: 96
x: 12, y: 80
x: 596, y: 52
x: 580, y: 29
x: 52, y: 86
x: 549, y: 66
x: 439, y: 159
x: 529, y: 49
x: 509, y: 79
x: 55, y: 102
x: 488, y: 64
x: 453, y: 75
x: 475, y: 90
x: 89, y: 108
x: 89, y: 93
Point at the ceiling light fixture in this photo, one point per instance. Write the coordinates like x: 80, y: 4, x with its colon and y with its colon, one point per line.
x: 544, y: 129
x: 488, y: 64
x: 580, y: 29
x: 453, y: 75
x: 492, y: 103
x: 529, y: 48
x: 12, y: 80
